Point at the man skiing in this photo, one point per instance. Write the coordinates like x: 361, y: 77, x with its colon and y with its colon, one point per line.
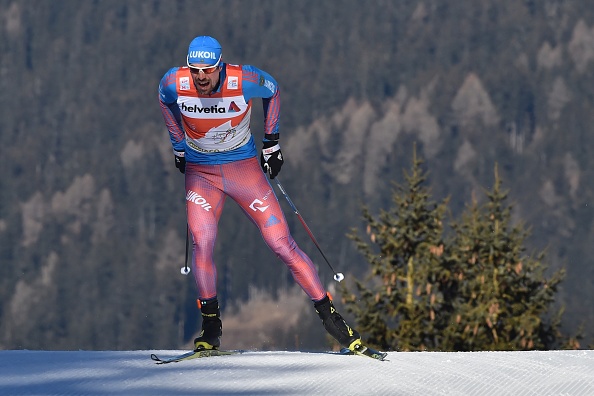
x: 207, y: 107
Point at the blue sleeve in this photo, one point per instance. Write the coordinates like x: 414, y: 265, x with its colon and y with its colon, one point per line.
x: 259, y: 84
x: 170, y: 110
x: 167, y: 92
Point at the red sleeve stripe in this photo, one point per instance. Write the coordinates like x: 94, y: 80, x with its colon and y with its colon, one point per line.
x: 175, y: 131
x: 273, y: 113
x: 251, y: 77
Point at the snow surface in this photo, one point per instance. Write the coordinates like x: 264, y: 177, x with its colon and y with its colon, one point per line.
x: 298, y: 373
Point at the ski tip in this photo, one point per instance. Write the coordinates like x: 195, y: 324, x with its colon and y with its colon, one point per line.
x: 380, y: 356
x: 372, y: 353
x: 194, y: 354
x: 366, y: 351
x: 156, y: 358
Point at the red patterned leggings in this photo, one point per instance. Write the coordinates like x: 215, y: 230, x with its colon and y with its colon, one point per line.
x: 207, y: 186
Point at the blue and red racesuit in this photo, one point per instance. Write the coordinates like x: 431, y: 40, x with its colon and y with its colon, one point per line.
x: 221, y: 160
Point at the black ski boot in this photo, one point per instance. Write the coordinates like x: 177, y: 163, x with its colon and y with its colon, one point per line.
x: 212, y: 329
x: 336, y: 326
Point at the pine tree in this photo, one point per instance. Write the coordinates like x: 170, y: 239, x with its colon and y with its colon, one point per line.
x: 503, y: 297
x: 475, y: 290
x: 397, y: 307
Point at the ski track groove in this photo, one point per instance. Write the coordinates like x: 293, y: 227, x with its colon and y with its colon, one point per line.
x: 298, y: 373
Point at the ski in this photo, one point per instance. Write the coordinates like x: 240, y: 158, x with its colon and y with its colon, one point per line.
x: 365, y: 351
x: 361, y: 351
x: 193, y: 355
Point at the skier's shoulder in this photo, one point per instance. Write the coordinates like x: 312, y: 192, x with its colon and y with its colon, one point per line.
x: 167, y: 88
x: 169, y: 76
x: 258, y: 82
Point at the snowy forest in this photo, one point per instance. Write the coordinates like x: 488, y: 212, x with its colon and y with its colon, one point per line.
x: 92, y: 215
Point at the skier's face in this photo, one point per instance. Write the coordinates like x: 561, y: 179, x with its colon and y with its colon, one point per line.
x: 205, y: 77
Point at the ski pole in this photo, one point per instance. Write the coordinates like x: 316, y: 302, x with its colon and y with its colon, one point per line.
x: 338, y: 276
x: 185, y: 269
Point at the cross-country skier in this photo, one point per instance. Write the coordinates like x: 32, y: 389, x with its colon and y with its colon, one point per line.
x: 207, y: 106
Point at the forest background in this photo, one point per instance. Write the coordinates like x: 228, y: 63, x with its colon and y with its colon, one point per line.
x: 92, y: 210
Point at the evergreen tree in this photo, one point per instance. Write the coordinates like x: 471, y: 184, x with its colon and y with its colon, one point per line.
x: 398, y: 307
x: 503, y: 297
x: 476, y: 290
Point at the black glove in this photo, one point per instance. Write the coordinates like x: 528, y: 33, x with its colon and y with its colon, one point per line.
x: 180, y: 161
x: 271, y: 158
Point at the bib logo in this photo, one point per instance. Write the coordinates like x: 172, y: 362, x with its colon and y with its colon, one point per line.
x: 196, y: 109
x: 222, y: 137
x: 233, y: 108
x: 232, y: 82
x: 184, y: 83
x: 191, y: 196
